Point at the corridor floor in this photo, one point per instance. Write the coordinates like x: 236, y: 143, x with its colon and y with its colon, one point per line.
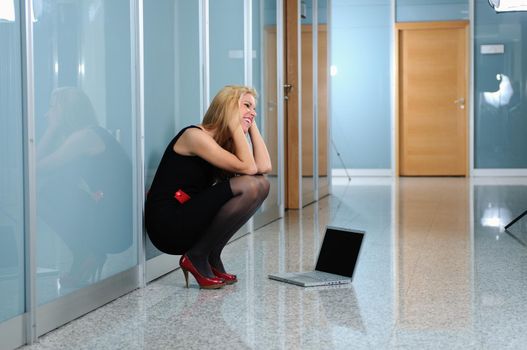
x: 436, y: 271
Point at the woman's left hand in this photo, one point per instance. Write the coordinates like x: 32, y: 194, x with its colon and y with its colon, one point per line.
x: 260, y: 152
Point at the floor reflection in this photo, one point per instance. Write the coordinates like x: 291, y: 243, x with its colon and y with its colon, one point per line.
x: 433, y: 254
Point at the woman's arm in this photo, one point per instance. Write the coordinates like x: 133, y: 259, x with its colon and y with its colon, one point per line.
x: 49, y: 139
x: 83, y: 142
x: 260, y: 152
x: 199, y: 143
x: 242, y: 149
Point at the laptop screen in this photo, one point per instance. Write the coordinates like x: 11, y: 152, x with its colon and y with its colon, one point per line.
x: 340, y: 251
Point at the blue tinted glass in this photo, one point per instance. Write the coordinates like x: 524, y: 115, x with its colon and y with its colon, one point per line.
x: 306, y: 10
x: 360, y: 81
x: 500, y: 100
x: 85, y: 144
x: 322, y: 6
x: 431, y: 10
x: 11, y: 168
x: 226, y: 49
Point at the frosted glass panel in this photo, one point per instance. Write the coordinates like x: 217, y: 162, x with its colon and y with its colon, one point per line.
x: 85, y: 144
x: 265, y: 82
x: 226, y: 44
x: 500, y: 100
x: 360, y: 84
x: 431, y: 10
x: 11, y: 168
x: 172, y: 84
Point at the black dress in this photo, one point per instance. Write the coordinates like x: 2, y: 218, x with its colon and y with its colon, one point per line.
x: 174, y: 227
x: 96, y: 192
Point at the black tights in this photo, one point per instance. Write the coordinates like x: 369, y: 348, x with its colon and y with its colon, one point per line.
x: 249, y: 193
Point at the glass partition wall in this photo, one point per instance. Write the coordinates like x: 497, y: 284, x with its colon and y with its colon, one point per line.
x: 265, y: 68
x: 307, y: 91
x: 85, y: 132
x: 500, y: 95
x: 226, y: 44
x: 82, y: 91
x: 313, y: 51
x: 12, y: 240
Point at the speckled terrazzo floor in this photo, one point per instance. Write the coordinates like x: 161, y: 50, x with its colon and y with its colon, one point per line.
x: 436, y: 272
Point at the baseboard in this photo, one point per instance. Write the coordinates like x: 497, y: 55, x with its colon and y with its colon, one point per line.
x: 361, y: 172
x: 499, y: 172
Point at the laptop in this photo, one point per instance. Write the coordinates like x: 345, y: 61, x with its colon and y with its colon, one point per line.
x: 336, y: 260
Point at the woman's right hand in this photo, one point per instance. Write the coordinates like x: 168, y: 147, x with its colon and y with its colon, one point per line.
x: 234, y: 124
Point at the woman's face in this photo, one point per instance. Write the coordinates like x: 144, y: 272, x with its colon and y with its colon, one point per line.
x: 247, y: 111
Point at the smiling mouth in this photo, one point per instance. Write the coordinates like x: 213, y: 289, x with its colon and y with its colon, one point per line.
x: 248, y: 121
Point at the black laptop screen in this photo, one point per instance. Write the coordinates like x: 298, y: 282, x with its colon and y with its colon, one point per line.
x: 340, y: 251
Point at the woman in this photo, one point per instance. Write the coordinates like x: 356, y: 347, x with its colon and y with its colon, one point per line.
x: 208, y: 184
x: 85, y: 183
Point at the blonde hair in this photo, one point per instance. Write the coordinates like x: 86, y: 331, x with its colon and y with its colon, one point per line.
x: 224, y: 106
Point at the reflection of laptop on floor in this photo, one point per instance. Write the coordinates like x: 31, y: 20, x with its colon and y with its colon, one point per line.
x: 336, y: 260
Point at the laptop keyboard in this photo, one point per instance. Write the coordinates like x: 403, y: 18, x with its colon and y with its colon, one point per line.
x: 319, y: 276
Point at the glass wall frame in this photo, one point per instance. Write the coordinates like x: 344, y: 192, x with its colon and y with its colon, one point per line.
x: 307, y: 47
x: 14, y: 270
x: 314, y: 102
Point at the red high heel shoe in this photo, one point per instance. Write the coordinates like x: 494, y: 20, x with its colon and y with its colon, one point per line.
x: 227, y: 277
x: 204, y: 282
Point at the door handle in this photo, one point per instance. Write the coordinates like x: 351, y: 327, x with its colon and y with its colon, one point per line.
x: 460, y: 102
x: 287, y: 88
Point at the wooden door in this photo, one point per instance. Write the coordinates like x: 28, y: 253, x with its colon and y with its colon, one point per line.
x: 432, y: 98
x: 291, y: 109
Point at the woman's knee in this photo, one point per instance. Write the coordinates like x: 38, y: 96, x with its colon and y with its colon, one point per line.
x: 259, y: 188
x: 245, y: 185
x: 255, y: 187
x: 264, y: 187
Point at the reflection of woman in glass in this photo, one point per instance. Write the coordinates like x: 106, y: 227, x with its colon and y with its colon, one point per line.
x: 85, y: 190
x: 195, y: 203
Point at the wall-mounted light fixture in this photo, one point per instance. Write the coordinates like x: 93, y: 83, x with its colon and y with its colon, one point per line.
x: 508, y: 5
x: 7, y: 11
